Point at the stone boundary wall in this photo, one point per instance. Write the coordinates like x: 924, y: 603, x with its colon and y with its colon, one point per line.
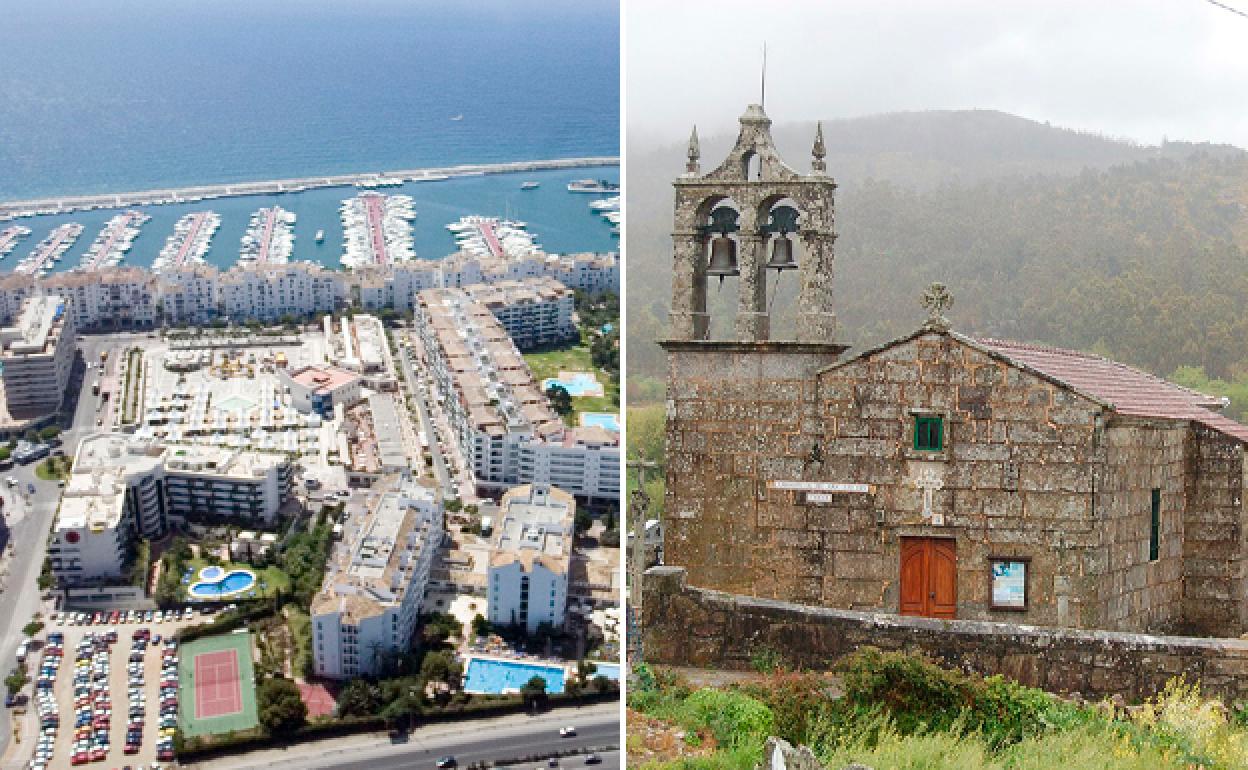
x: 684, y: 625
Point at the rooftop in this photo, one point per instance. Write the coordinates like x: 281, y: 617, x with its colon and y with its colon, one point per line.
x: 372, y: 569
x: 37, y: 326
x: 1127, y: 390
x: 536, y: 524
x: 323, y: 379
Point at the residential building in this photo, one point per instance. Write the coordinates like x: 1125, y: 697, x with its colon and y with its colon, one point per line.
x: 534, y: 311
x: 530, y: 557
x: 271, y: 291
x: 123, y: 488
x: 500, y: 417
x: 374, y: 587
x: 111, y: 298
x: 188, y: 294
x: 38, y: 355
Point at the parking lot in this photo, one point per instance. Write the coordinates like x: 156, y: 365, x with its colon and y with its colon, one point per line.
x: 108, y: 694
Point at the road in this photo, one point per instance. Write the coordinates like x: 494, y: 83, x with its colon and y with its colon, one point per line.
x: 426, y: 422
x: 29, y: 521
x: 469, y: 741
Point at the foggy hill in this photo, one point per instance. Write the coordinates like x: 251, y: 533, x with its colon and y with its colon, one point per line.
x: 1042, y: 234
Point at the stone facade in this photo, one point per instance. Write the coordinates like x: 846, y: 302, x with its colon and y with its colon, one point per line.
x: 683, y: 625
x: 1030, y: 468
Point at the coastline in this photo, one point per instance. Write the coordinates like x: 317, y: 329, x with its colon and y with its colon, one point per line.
x: 10, y: 210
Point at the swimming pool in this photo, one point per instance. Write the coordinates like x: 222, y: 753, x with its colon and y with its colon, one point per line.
x: 215, y: 582
x: 487, y: 675
x: 603, y: 420
x: 576, y: 383
x: 609, y: 670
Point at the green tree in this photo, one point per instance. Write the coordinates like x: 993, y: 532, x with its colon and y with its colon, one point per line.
x: 281, y: 707
x: 359, y: 698
x: 534, y: 692
x: 16, y: 679
x: 560, y: 400
x: 480, y: 626
x: 436, y: 667
x: 50, y: 432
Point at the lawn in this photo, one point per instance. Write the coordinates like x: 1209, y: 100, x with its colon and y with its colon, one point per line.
x: 271, y: 578
x: 575, y: 358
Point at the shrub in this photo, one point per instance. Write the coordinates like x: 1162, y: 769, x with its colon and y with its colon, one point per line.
x: 734, y: 718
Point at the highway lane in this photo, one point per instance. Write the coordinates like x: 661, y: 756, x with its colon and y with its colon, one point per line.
x: 469, y: 741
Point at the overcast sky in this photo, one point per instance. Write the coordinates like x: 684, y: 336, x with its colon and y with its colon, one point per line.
x: 1143, y: 69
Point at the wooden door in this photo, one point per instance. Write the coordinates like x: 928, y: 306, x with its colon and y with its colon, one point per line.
x: 929, y: 577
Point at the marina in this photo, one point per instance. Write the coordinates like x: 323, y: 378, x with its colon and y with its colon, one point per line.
x: 9, y: 237
x: 377, y: 229
x: 269, y: 238
x: 192, y: 235
x: 114, y: 240
x: 50, y: 250
x: 493, y: 237
x: 190, y: 194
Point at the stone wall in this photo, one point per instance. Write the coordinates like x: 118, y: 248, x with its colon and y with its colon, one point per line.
x: 683, y: 625
x: 1213, y: 535
x: 1136, y: 593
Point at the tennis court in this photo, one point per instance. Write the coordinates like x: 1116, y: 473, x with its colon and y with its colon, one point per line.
x: 217, y: 685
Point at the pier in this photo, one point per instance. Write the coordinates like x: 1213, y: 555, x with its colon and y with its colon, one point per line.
x: 114, y: 240
x: 9, y: 238
x: 66, y: 204
x: 50, y: 249
x: 491, y: 240
x: 376, y: 231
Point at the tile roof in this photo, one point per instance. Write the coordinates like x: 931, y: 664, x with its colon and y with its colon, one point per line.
x: 1128, y: 390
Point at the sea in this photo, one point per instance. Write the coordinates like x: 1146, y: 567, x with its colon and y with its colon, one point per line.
x: 104, y: 96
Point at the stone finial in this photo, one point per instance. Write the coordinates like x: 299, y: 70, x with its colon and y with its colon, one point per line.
x: 937, y: 300
x: 818, y: 151
x: 694, y: 152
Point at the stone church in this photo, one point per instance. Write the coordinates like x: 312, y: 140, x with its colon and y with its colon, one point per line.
x: 938, y: 474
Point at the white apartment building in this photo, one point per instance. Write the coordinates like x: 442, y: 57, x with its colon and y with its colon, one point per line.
x: 591, y: 273
x: 94, y: 532
x: 38, y: 355
x: 374, y: 587
x: 123, y: 488
x: 395, y: 286
x: 111, y: 298
x: 530, y: 558
x: 534, y: 311
x: 188, y: 294
x: 499, y: 415
x: 268, y: 292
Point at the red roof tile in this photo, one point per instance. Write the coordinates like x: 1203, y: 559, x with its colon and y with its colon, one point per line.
x: 1128, y: 390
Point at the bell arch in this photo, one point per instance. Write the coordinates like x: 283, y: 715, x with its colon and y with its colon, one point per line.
x: 783, y: 223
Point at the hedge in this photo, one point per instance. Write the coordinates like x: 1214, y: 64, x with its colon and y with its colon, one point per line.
x: 257, y: 739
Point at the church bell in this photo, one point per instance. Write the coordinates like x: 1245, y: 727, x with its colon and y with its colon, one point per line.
x: 782, y: 254
x: 723, y: 258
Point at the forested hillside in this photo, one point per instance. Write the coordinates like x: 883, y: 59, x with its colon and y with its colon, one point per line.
x: 1041, y: 234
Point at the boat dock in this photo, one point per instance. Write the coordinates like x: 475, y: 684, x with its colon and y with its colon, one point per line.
x: 190, y: 240
x: 114, y: 240
x: 269, y: 237
x: 377, y: 229
x: 50, y: 249
x: 9, y: 237
x: 66, y: 204
x: 493, y: 237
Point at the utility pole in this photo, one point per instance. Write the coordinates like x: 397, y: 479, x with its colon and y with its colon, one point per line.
x: 639, y: 506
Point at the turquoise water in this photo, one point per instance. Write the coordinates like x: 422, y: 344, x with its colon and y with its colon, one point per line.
x: 213, y: 586
x: 561, y: 220
x: 115, y: 95
x: 496, y: 676
x: 579, y: 385
x: 609, y: 670
x: 604, y: 420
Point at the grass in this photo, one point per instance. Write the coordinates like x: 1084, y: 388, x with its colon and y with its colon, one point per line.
x: 301, y: 629
x: 575, y: 358
x: 1022, y: 728
x: 53, y: 469
x: 273, y: 578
